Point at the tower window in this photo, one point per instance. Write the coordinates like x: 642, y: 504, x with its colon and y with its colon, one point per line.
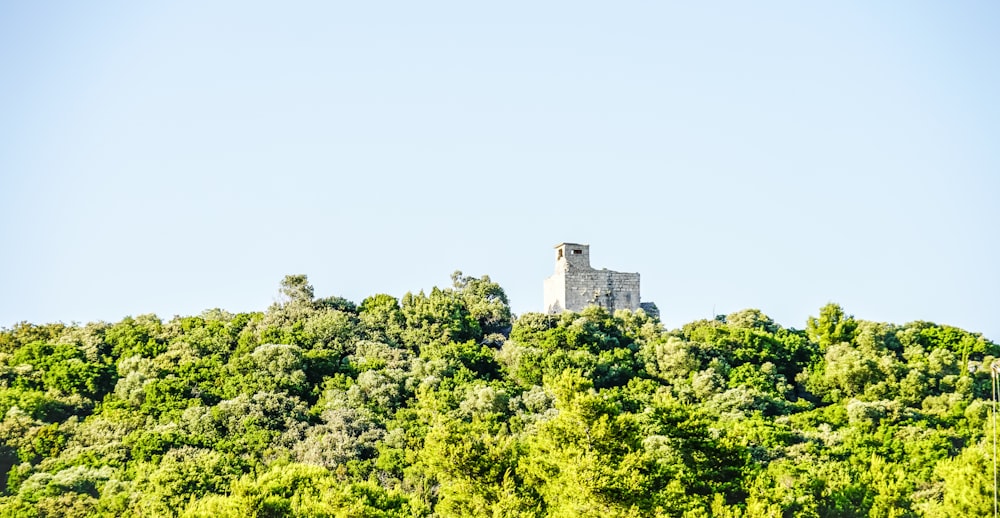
x: 577, y: 251
x: 560, y: 254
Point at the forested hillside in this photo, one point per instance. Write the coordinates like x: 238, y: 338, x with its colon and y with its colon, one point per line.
x: 444, y: 404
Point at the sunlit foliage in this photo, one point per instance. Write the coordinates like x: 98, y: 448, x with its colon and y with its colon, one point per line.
x: 446, y: 404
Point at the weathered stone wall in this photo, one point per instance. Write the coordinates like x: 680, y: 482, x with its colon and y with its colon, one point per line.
x: 555, y: 294
x: 575, y: 285
x: 609, y: 289
x: 573, y: 255
x: 650, y: 309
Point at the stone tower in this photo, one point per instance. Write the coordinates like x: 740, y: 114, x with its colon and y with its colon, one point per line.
x: 575, y: 285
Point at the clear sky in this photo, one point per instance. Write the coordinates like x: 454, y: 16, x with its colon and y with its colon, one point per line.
x: 182, y: 156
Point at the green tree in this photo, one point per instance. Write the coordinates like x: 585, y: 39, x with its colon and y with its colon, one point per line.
x: 831, y: 327
x: 297, y: 290
x: 486, y: 302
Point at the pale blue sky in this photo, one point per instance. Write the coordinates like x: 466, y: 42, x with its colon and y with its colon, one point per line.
x: 778, y: 155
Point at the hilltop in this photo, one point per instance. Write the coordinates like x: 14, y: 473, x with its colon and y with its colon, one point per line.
x: 446, y: 404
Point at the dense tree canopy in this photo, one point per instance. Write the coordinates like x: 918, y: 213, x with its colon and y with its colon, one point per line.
x: 446, y: 404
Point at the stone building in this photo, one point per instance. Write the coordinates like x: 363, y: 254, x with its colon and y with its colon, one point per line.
x: 575, y: 285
